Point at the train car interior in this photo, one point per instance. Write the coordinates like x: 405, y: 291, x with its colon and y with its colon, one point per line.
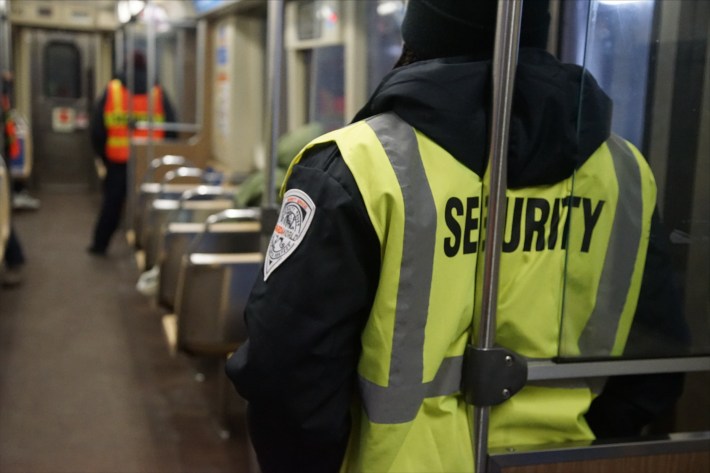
x: 113, y: 360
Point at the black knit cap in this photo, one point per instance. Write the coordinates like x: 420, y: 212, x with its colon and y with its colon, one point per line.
x: 442, y: 28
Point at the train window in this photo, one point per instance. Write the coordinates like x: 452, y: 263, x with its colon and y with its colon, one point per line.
x: 327, y: 86
x: 384, y: 38
x: 651, y: 58
x: 62, y: 70
x: 314, y: 18
x: 312, y: 23
x: 616, y: 50
x: 308, y: 28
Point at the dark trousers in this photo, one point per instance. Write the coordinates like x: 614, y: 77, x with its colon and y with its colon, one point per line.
x: 114, y: 198
x: 14, y: 256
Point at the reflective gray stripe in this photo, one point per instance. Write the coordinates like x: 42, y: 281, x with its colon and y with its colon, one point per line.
x: 600, y: 333
x: 398, y: 404
x: 400, y: 400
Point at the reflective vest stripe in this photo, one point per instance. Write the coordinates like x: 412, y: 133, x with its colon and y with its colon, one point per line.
x: 401, y: 399
x: 116, y: 118
x: 117, y: 141
x: 117, y: 97
x: 116, y: 123
x: 601, y: 331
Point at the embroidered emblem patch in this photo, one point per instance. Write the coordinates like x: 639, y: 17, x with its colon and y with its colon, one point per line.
x: 296, y: 216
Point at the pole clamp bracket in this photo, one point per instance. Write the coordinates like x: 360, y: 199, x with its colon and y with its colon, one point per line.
x: 492, y: 375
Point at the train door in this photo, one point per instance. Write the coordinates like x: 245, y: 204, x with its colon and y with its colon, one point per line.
x: 62, y: 90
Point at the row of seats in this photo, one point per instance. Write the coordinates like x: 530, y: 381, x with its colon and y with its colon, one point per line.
x: 203, y: 253
x: 200, y: 256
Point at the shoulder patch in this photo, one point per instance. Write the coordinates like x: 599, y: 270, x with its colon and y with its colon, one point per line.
x: 296, y: 215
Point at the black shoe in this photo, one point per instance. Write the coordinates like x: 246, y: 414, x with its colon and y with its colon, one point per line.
x: 96, y: 251
x: 12, y: 277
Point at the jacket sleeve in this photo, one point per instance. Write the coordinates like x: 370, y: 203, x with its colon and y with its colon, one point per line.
x: 298, y: 369
x: 629, y: 403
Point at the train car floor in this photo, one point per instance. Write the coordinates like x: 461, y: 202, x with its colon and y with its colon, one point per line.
x: 87, y: 383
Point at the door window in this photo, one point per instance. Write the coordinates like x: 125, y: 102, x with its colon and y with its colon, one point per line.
x: 62, y: 70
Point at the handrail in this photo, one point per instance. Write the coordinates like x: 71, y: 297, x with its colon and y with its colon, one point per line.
x: 275, y: 26
x: 505, y: 58
x: 176, y: 126
x: 180, y: 172
x: 167, y: 160
x: 542, y: 370
x: 275, y: 14
x: 223, y: 216
x: 201, y: 191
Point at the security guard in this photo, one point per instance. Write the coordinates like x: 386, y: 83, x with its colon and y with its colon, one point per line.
x: 110, y: 138
x: 358, y: 323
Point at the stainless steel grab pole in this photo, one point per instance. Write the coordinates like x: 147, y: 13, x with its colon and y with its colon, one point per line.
x: 152, y: 74
x: 275, y: 18
x: 505, y: 58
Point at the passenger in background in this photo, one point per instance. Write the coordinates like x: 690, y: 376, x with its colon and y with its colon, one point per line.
x: 109, y: 128
x: 359, y: 322
x: 252, y: 189
x: 14, y: 257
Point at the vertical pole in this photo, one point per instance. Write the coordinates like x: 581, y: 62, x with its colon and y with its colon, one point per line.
x: 201, y: 65
x: 275, y: 28
x: 128, y: 50
x: 505, y: 57
x: 119, y: 47
x: 151, y: 69
x: 5, y: 39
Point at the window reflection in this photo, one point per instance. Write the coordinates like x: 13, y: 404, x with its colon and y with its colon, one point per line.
x: 653, y: 59
x: 327, y: 86
x: 384, y: 19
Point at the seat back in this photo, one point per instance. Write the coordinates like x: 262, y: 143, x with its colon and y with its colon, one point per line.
x: 213, y: 289
x: 226, y: 237
x: 193, y: 205
x: 150, y: 187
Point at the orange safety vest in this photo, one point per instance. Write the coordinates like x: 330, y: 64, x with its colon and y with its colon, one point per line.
x: 12, y: 141
x: 116, y: 119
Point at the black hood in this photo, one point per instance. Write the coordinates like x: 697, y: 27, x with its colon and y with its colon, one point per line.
x: 140, y: 81
x: 560, y: 115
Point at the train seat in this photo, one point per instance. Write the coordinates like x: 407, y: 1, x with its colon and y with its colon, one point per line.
x: 225, y: 237
x: 213, y: 289
x: 150, y: 186
x: 193, y: 205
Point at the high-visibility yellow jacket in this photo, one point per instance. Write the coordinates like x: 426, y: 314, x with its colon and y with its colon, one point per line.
x: 570, y: 275
x: 370, y: 280
x: 116, y: 118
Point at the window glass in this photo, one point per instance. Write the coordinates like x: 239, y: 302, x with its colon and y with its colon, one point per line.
x: 384, y: 39
x: 327, y: 86
x: 175, y: 65
x: 62, y: 70
x: 652, y: 59
x: 616, y: 49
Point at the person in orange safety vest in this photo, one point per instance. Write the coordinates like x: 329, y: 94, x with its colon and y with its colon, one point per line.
x: 111, y: 132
